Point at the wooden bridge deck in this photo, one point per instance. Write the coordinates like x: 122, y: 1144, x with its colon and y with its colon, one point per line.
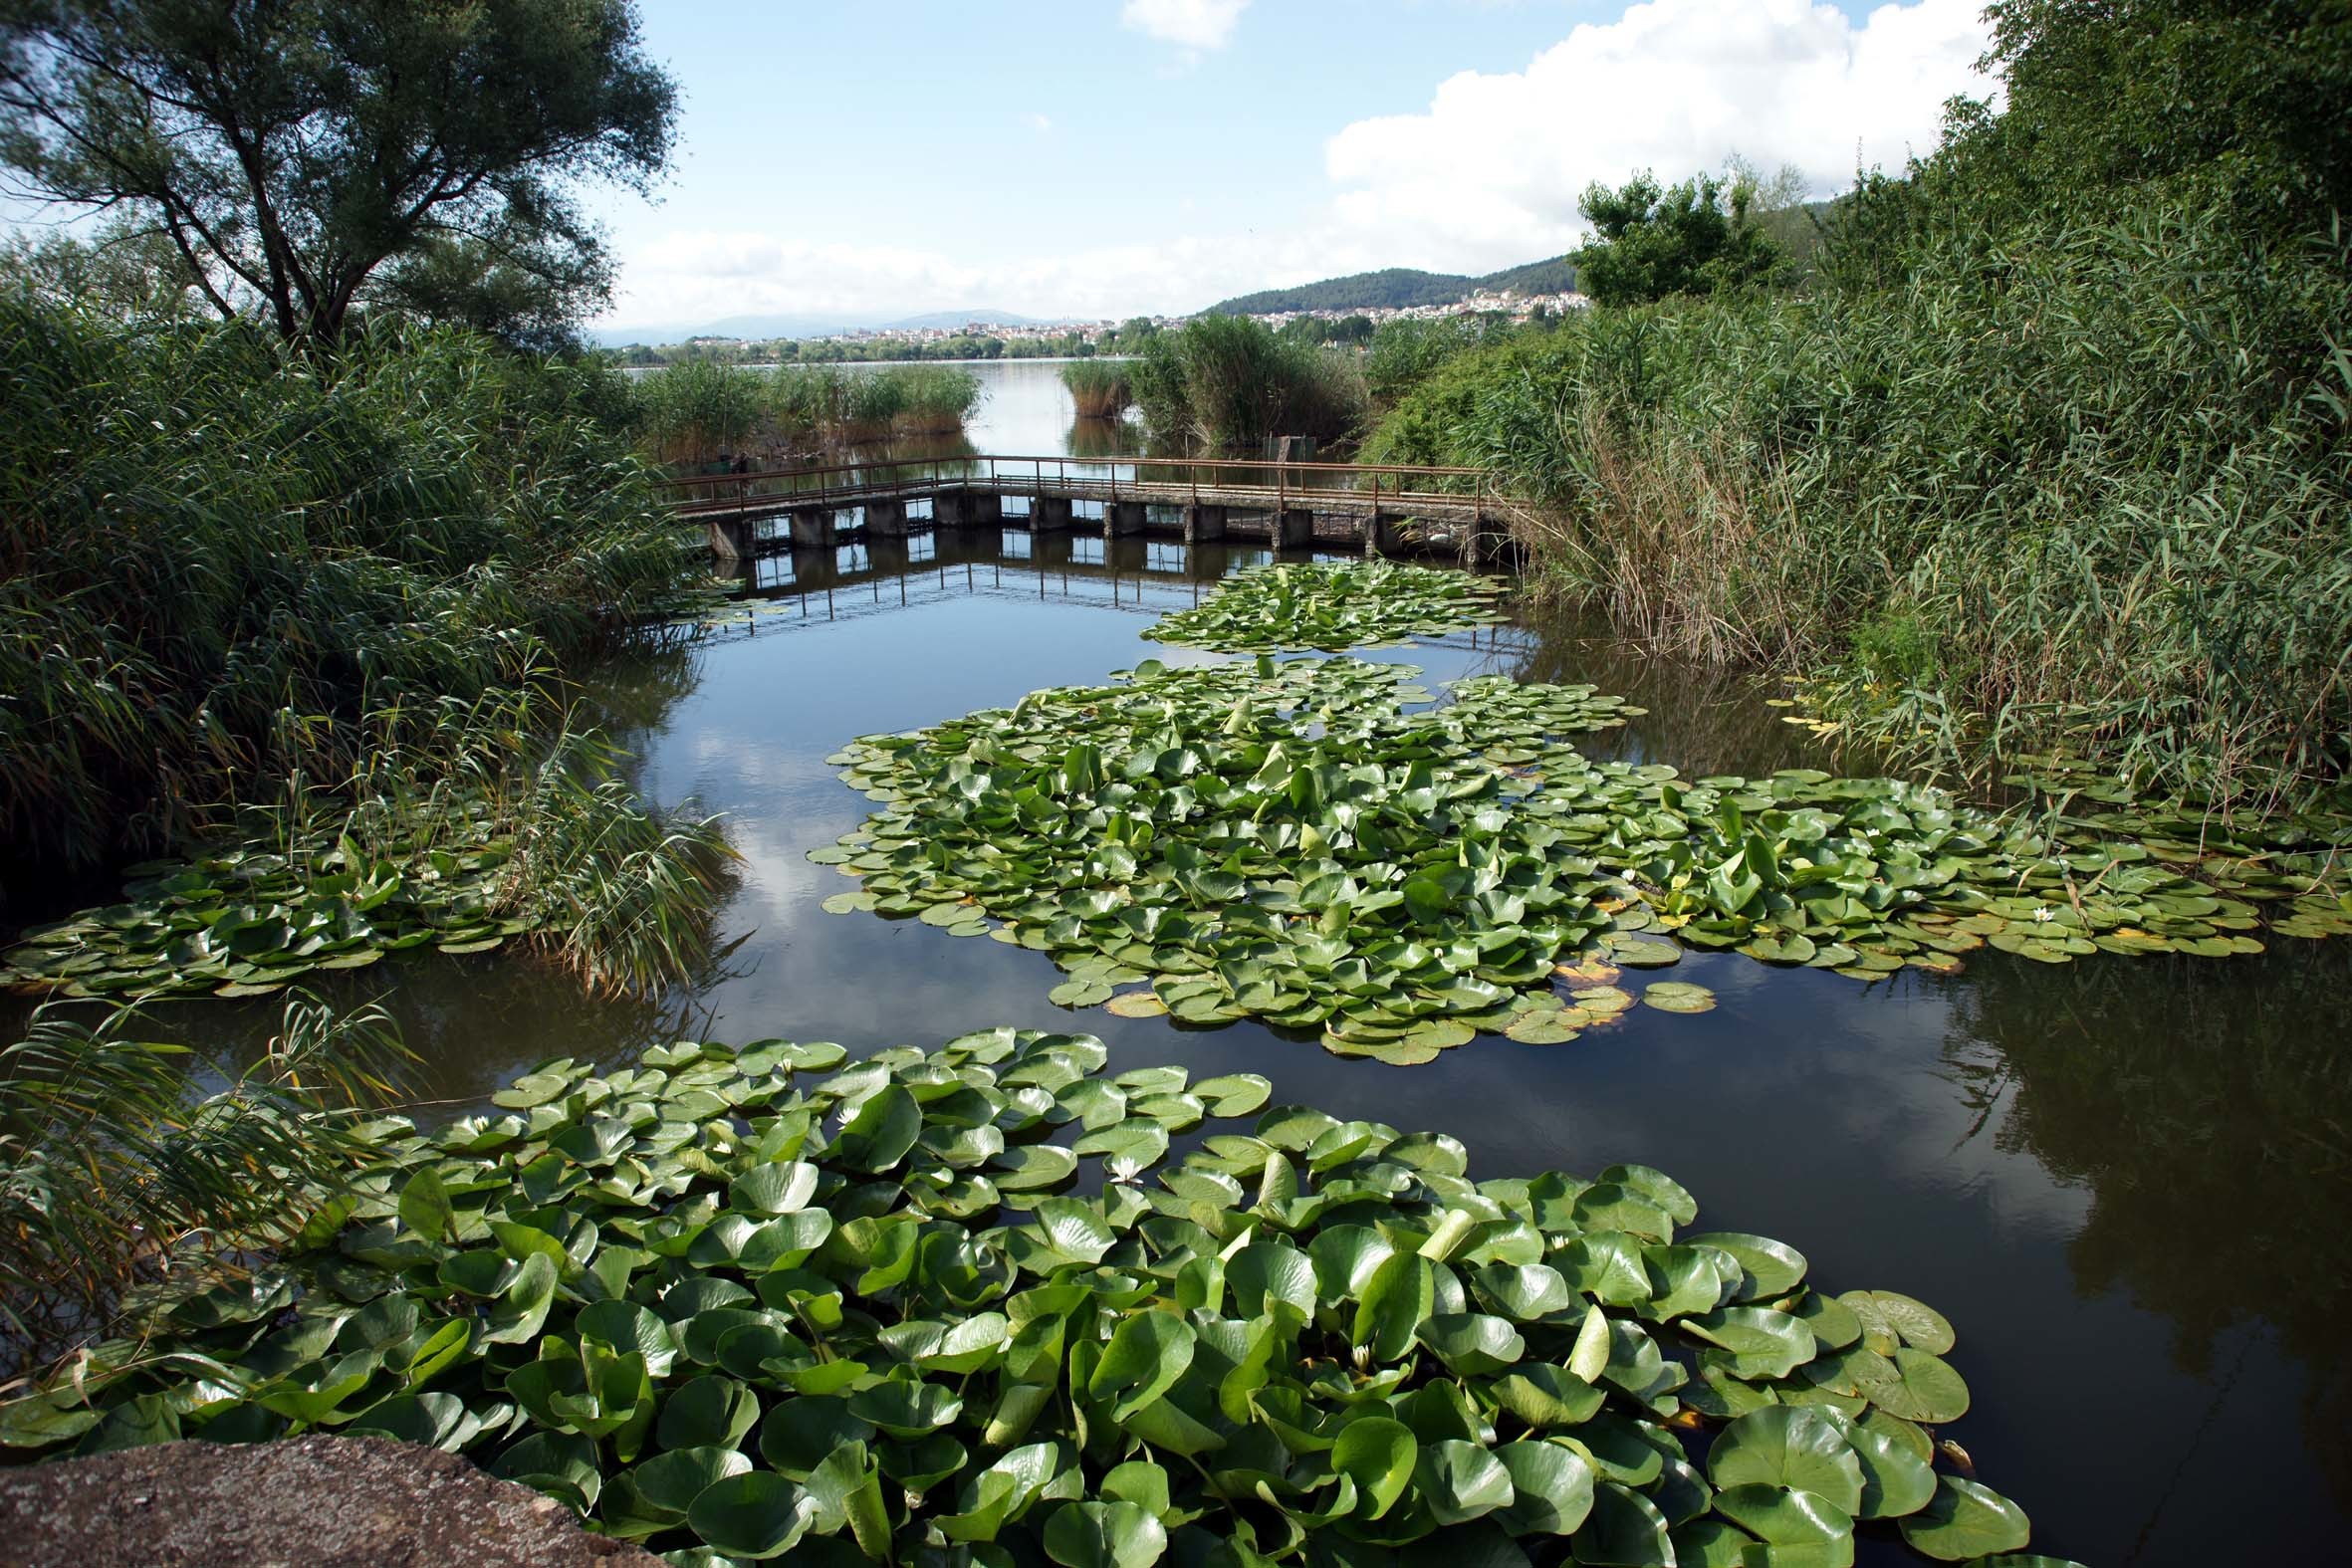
x: 1386, y: 508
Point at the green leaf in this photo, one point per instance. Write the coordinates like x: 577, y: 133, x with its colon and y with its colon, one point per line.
x: 1148, y: 1353
x: 1965, y: 1520
x: 1460, y: 1481
x: 756, y: 1514
x: 1791, y: 1447
x: 1551, y: 1489
x: 1378, y: 1454
x: 1395, y: 1303
x: 1104, y: 1535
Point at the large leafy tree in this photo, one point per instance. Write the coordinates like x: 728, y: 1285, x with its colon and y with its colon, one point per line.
x: 304, y: 157
x: 1649, y: 241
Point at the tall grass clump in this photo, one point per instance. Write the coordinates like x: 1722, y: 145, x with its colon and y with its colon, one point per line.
x: 2068, y: 483
x: 1099, y: 387
x: 1229, y: 382
x: 1406, y: 352
x: 116, y: 1172
x: 217, y: 553
x: 696, y: 411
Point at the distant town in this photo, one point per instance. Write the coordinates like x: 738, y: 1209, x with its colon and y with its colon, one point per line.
x: 991, y: 340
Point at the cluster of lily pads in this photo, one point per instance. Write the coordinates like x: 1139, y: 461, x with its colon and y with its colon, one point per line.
x: 870, y: 1320
x: 1331, y: 606
x: 248, y: 920
x: 1310, y: 843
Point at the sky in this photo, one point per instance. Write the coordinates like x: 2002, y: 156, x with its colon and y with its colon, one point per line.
x: 1108, y: 158
x: 1080, y: 160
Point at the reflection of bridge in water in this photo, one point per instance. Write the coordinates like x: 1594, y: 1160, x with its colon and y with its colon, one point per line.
x: 1378, y: 508
x: 872, y: 573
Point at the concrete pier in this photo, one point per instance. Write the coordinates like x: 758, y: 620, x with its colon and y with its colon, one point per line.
x: 812, y: 528
x: 1121, y: 518
x: 1203, y: 523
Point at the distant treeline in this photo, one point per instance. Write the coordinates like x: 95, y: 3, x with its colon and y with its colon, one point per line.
x: 962, y: 346
x: 1400, y: 288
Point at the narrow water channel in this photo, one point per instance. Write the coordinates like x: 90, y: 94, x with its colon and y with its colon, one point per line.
x: 2123, y: 1179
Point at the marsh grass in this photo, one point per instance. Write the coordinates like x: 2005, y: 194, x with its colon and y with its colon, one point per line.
x: 217, y: 554
x: 1099, y: 387
x: 120, y: 1167
x: 696, y: 411
x: 1228, y: 383
x: 2072, y: 487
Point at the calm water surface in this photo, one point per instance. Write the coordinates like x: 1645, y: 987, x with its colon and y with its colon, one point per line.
x: 2126, y: 1180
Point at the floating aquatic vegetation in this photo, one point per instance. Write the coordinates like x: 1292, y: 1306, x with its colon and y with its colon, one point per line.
x: 563, y: 854
x: 1331, y: 606
x: 867, y: 1321
x: 1301, y: 842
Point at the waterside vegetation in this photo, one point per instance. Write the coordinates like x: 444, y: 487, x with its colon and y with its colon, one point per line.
x: 1301, y: 606
x: 1304, y: 844
x: 1224, y: 384
x: 697, y: 411
x: 725, y: 1305
x: 1101, y: 388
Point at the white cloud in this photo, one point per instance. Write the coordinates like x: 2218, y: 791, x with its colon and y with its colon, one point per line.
x: 1195, y: 24
x: 1487, y: 177
x: 688, y: 278
x: 1490, y: 173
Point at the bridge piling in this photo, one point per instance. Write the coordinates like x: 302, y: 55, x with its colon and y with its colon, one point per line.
x: 811, y: 528
x: 1203, y: 523
x: 1123, y: 517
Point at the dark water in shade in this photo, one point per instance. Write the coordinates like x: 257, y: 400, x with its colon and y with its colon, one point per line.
x: 2128, y: 1181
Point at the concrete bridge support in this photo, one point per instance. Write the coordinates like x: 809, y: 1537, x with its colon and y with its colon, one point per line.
x: 1294, y: 529
x: 968, y: 508
x: 1121, y: 518
x: 1203, y: 523
x: 812, y: 528
x: 734, y: 538
x: 1380, y: 535
x: 887, y: 518
x: 1048, y: 512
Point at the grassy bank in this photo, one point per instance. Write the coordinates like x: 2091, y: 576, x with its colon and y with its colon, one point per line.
x: 1227, y: 382
x: 2070, y: 485
x: 697, y: 411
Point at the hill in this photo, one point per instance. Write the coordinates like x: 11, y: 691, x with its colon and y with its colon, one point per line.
x: 1397, y: 288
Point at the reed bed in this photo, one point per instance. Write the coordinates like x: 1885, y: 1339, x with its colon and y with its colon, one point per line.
x: 2074, y: 486
x: 1228, y: 382
x: 697, y: 412
x: 1099, y: 387
x: 217, y: 554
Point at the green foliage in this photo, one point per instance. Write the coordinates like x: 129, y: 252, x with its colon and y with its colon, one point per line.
x: 1330, y: 606
x: 1408, y: 350
x: 698, y: 409
x: 218, y: 556
x: 1288, y: 842
x: 1648, y: 243
x: 1099, y: 387
x: 114, y: 1172
x: 2101, y: 469
x: 713, y: 1309
x: 1227, y: 382
x: 290, y: 151
x: 1399, y: 288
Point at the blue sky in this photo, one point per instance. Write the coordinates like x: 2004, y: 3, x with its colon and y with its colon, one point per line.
x: 1117, y: 157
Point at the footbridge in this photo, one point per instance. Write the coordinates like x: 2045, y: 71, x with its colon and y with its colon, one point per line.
x: 1385, y: 509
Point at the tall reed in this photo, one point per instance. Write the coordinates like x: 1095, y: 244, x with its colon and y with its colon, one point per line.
x: 2067, y: 485
x: 1099, y: 387
x: 1229, y: 382
x: 696, y: 411
x: 217, y: 554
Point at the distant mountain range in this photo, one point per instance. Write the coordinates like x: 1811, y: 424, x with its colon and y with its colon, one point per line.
x: 759, y: 326
x: 1399, y: 288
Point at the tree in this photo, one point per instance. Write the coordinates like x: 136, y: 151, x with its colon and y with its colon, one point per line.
x: 1650, y: 242
x: 302, y: 156
x: 127, y: 273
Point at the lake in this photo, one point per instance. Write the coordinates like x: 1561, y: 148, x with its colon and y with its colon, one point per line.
x: 2123, y: 1179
